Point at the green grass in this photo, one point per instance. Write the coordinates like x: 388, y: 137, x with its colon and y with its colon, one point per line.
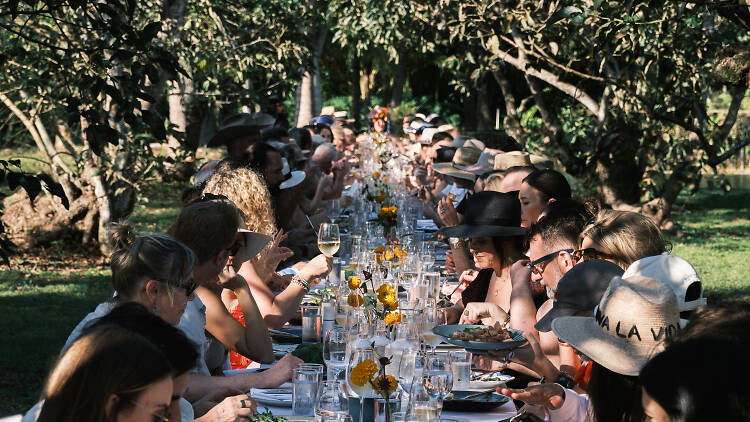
x: 47, y: 294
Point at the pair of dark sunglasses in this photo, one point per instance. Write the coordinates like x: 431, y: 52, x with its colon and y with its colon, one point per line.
x: 234, y: 248
x: 589, y: 253
x: 537, y: 266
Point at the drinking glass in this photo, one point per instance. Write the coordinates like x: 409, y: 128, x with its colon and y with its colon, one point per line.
x: 430, y: 320
x: 310, y: 323
x: 408, y: 272
x: 438, y: 378
x: 304, y: 386
x: 329, y: 239
x: 432, y: 280
x: 410, y: 368
x: 359, y: 355
x: 427, y: 255
x: 331, y: 399
x: 334, y: 352
x: 461, y: 366
x: 423, y: 406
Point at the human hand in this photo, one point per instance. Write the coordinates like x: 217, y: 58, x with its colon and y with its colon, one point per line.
x: 450, y: 264
x: 484, y: 313
x: 468, y: 276
x: 281, y: 371
x: 232, y: 409
x: 317, y: 267
x: 529, y: 355
x: 449, y: 315
x: 277, y: 282
x: 549, y: 395
x: 519, y: 272
x: 229, y: 279
x: 447, y: 212
x: 324, y: 182
x: 277, y: 254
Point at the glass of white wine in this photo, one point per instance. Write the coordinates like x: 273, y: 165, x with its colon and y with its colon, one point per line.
x: 329, y: 239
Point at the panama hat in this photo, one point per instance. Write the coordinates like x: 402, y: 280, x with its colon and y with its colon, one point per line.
x: 464, y: 157
x: 489, y: 213
x: 291, y: 178
x: 426, y: 137
x: 510, y: 159
x: 580, y: 289
x: 240, y: 124
x: 634, y: 317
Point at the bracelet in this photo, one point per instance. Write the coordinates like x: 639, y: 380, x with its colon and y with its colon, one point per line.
x: 564, y: 380
x: 457, y: 242
x: 505, y: 323
x: 296, y: 279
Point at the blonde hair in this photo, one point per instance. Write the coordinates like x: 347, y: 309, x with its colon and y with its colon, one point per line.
x: 626, y: 236
x: 250, y: 194
x: 493, y: 182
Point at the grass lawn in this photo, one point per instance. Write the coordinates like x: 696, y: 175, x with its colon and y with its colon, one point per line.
x: 45, y: 296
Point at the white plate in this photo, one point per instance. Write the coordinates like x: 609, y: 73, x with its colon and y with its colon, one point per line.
x: 486, y: 385
x: 271, y: 396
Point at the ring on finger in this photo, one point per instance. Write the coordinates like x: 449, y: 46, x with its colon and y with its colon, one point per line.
x: 242, y: 404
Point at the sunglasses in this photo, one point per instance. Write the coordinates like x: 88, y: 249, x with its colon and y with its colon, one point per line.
x: 538, y: 265
x: 234, y: 248
x: 589, y: 253
x: 190, y: 287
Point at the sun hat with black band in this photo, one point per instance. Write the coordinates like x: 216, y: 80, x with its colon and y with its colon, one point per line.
x: 240, y: 124
x: 489, y: 214
x: 291, y: 178
x: 631, y: 322
x: 579, y: 290
x: 510, y: 159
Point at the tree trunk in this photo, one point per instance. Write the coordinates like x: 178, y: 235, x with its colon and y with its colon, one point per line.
x: 356, y: 93
x: 304, y: 100
x: 511, y: 122
x: 364, y: 85
x: 317, y: 94
x: 485, y: 116
x: 399, y: 80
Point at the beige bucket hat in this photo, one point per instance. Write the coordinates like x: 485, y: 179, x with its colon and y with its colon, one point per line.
x: 464, y: 157
x: 510, y: 159
x: 634, y: 317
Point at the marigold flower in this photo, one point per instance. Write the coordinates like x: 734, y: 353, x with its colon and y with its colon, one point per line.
x: 389, y: 255
x: 385, y: 290
x: 354, y: 282
x: 363, y: 372
x: 354, y: 300
x: 376, y: 175
x: 390, y: 302
x: 393, y: 318
x: 379, y: 249
x: 385, y: 384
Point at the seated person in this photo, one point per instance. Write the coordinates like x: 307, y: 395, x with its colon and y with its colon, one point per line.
x: 492, y: 222
x: 539, y: 189
x: 276, y: 309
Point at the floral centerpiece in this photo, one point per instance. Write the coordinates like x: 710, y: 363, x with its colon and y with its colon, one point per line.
x: 368, y: 372
x: 380, y: 303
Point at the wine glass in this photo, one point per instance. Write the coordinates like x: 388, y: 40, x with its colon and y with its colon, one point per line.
x: 427, y: 255
x: 359, y: 355
x: 331, y: 399
x: 409, y: 272
x: 329, y: 239
x: 411, y: 367
x: 430, y: 319
x: 423, y: 406
x: 334, y: 352
x: 440, y: 374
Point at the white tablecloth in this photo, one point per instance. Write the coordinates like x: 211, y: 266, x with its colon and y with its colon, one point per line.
x: 505, y: 411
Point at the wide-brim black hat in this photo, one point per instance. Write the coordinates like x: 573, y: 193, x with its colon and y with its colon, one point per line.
x: 489, y: 214
x: 240, y: 124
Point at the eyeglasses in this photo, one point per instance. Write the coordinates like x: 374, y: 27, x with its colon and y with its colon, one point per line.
x: 212, y: 197
x: 589, y: 253
x: 537, y: 266
x: 163, y: 416
x: 234, y: 248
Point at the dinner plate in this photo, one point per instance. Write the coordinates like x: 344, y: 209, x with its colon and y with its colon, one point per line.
x: 497, y: 379
x: 446, y: 332
x: 280, y: 397
x: 481, y: 403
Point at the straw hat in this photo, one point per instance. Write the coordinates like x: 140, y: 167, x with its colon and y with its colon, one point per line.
x: 328, y: 111
x: 426, y: 137
x: 483, y: 164
x: 632, y: 320
x: 240, y: 124
x: 489, y: 213
x: 510, y: 159
x: 464, y: 156
x: 291, y: 178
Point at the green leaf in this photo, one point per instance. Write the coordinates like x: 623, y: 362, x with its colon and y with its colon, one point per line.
x: 563, y: 13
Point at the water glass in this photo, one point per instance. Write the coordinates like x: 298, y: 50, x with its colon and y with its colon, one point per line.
x: 331, y: 399
x: 334, y: 352
x: 310, y: 323
x: 304, y: 386
x: 317, y: 367
x: 461, y: 366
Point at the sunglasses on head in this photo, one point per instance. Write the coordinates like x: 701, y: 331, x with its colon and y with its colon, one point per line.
x: 589, y: 253
x: 537, y: 266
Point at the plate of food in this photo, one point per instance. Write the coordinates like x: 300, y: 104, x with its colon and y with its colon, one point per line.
x: 484, y: 381
x: 469, y: 401
x: 480, y: 338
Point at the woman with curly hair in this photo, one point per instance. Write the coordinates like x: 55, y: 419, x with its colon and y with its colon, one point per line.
x: 247, y: 190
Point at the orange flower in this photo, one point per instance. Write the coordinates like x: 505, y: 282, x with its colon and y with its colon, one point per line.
x: 354, y: 300
x: 393, y: 318
x: 376, y: 175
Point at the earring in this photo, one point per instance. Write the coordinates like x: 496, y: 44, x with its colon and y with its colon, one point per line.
x: 155, y: 311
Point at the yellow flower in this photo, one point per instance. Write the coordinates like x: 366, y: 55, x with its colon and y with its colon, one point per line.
x: 393, y: 318
x: 354, y: 300
x: 379, y: 258
x: 376, y: 175
x: 385, y: 290
x: 385, y: 384
x: 390, y: 302
x: 354, y: 282
x: 385, y: 180
x: 389, y: 255
x: 363, y: 372
x: 379, y: 249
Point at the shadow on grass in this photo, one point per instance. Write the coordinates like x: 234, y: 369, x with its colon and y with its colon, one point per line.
x: 38, y: 321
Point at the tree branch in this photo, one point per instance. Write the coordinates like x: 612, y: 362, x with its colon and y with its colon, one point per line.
x: 738, y: 93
